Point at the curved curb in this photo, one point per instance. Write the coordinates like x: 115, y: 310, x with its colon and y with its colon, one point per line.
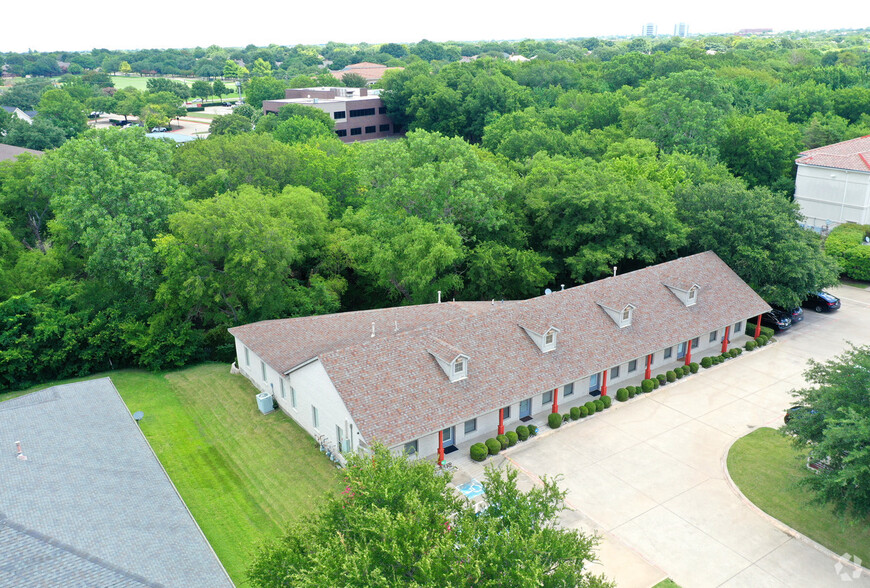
x: 778, y: 523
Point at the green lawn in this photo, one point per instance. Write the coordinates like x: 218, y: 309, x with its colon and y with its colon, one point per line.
x: 201, y: 115
x: 244, y: 476
x: 767, y: 467
x: 140, y: 83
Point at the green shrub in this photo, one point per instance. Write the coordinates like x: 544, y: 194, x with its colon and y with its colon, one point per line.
x: 566, y: 417
x: 856, y: 263
x: 734, y: 352
x: 607, y: 400
x: 493, y: 446
x: 739, y: 350
x: 716, y: 360
x: 575, y: 413
x: 622, y: 394
x: 533, y: 430
x: 631, y: 391
x: 655, y: 383
x: 707, y: 362
x: 599, y: 404
x: 750, y: 330
x: 672, y: 376
x: 762, y: 340
x: 646, y: 386
x: 693, y: 367
x: 679, y: 372
x: 584, y: 412
x: 750, y: 345
x: 505, y: 443
x: 554, y: 419
x: 663, y: 379
x: 523, y: 432
x: 844, y: 244
x: 479, y: 452
x: 590, y: 406
x: 512, y: 438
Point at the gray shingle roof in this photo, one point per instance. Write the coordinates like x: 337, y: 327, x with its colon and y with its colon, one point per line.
x: 396, y: 391
x: 91, y: 506
x: 12, y: 152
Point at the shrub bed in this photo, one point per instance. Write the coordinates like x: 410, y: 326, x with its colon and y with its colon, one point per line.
x: 663, y: 379
x: 493, y: 446
x: 622, y: 394
x: 599, y: 404
x: 707, y: 362
x: 523, y: 432
x: 750, y: 330
x: 479, y: 452
x: 693, y: 367
x: 590, y: 406
x: 734, y: 352
x: 584, y: 412
x: 646, y: 386
x: 679, y: 372
x: 655, y: 383
x: 575, y: 413
x: 844, y: 244
x: 750, y: 345
x: 512, y: 438
x: 505, y: 443
x: 607, y: 400
x: 672, y: 376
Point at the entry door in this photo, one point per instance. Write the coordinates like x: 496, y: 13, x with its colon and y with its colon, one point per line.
x: 449, y: 440
x: 594, y: 382
x: 526, y: 408
x: 681, y: 350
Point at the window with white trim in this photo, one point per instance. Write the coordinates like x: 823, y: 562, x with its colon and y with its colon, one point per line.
x: 547, y: 397
x: 738, y: 327
x: 632, y: 365
x: 695, y: 342
x: 614, y: 372
x: 281, y: 384
x: 668, y: 353
x: 470, y: 426
x: 247, y: 357
x: 506, y: 412
x: 292, y: 396
x: 263, y: 369
x: 459, y: 367
x: 626, y: 314
x: 315, y: 418
x: 411, y: 447
x: 568, y: 390
x: 713, y: 336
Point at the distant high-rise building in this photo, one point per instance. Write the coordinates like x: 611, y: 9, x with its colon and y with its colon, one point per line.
x: 649, y: 30
x: 681, y: 29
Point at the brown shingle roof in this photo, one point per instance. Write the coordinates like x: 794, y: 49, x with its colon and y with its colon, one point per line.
x: 853, y: 154
x: 396, y: 392
x: 12, y: 152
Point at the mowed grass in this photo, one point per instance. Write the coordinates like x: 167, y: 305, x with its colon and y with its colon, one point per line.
x: 141, y: 83
x: 767, y: 468
x: 244, y: 476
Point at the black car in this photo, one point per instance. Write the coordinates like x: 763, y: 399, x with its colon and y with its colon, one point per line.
x: 821, y: 302
x: 776, y: 320
x: 796, y: 313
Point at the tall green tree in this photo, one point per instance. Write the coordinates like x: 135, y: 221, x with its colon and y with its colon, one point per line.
x: 201, y: 89
x: 400, y: 523
x: 67, y: 113
x: 834, y: 426
x: 756, y: 232
x: 761, y: 148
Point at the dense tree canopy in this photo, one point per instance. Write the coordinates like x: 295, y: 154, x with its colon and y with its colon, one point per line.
x: 399, y: 523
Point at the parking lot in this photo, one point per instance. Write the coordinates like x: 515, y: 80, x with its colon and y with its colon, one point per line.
x: 649, y: 476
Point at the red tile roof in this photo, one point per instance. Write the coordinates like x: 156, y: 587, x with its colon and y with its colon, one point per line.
x: 396, y: 392
x: 853, y: 154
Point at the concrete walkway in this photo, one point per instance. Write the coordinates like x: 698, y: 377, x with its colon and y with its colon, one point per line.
x: 648, y: 475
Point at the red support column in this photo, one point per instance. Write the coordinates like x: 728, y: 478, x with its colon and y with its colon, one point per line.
x: 648, y: 373
x: 604, y: 384
x: 440, y: 447
x: 555, y: 400
x: 689, y: 352
x: 757, y: 327
x: 501, y: 421
x: 725, y: 340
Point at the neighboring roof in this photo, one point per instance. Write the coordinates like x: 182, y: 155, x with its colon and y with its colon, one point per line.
x: 91, y: 505
x: 12, y: 152
x: 504, y: 366
x: 370, y: 71
x: 853, y: 154
x: 177, y: 137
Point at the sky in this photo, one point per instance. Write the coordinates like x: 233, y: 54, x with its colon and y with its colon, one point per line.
x: 54, y: 25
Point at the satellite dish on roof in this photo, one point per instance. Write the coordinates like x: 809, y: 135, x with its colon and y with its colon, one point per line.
x: 547, y: 292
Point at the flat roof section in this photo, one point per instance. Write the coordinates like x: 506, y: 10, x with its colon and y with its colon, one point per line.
x: 91, y: 505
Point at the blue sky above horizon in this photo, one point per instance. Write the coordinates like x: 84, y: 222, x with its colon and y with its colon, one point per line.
x: 161, y: 23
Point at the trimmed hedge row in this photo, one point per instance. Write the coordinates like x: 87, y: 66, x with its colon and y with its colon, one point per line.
x: 750, y: 330
x: 844, y: 244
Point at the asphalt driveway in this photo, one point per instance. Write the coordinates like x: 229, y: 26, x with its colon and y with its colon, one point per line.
x: 649, y: 474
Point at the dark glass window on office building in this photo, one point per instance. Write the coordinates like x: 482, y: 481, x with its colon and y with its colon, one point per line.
x: 340, y: 114
x: 371, y: 129
x: 362, y: 112
x: 382, y: 110
x: 356, y: 131
x: 341, y: 132
x: 384, y: 128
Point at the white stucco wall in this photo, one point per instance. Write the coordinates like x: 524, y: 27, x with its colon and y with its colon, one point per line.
x: 836, y: 195
x: 313, y: 388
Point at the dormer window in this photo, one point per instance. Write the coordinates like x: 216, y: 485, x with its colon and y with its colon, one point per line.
x: 622, y: 317
x: 546, y: 341
x: 459, y: 367
x: 451, y: 360
x: 687, y: 292
x: 626, y: 314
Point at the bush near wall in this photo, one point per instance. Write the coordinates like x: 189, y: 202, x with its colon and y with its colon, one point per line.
x: 575, y: 413
x: 750, y: 345
x: 590, y: 406
x: 523, y: 432
x: 503, y: 440
x: 844, y: 244
x: 663, y: 379
x: 479, y: 452
x: 693, y: 367
x: 584, y: 412
x: 750, y: 330
x: 512, y: 438
x: 607, y: 401
x: 671, y: 375
x: 554, y: 420
x: 533, y: 430
x: 599, y: 404
x: 622, y: 394
x: 707, y: 362
x: 493, y: 446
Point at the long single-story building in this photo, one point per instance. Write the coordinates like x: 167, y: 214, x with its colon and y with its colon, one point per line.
x: 430, y: 377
